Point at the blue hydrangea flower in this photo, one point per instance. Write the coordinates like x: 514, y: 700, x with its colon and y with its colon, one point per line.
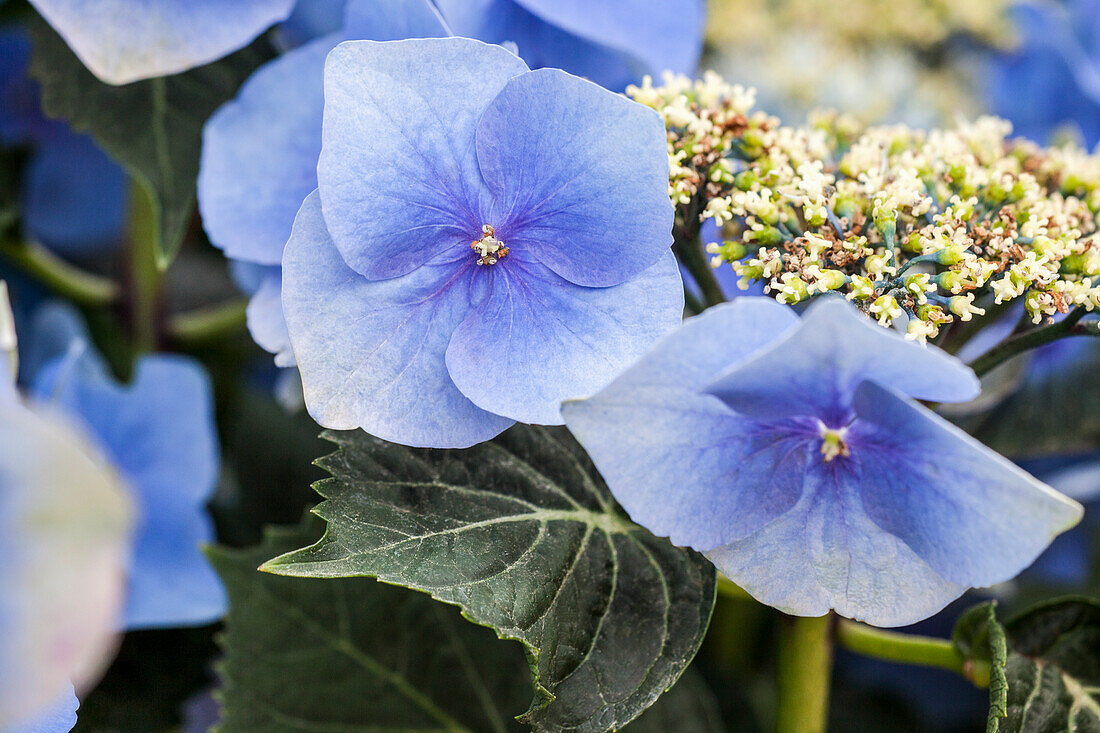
x: 1053, y: 78
x: 121, y: 41
x: 311, y: 19
x: 73, y: 197
x: 158, y: 432
x: 260, y: 151
x: 485, y: 241
x: 611, y: 43
x: 791, y: 453
x: 64, y: 538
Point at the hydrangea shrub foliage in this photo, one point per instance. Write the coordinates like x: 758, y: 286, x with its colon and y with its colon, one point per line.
x: 643, y: 408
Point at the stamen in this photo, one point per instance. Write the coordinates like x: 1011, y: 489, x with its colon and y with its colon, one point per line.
x: 832, y: 442
x: 489, y: 249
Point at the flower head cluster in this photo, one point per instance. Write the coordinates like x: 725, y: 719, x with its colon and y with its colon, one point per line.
x: 930, y: 226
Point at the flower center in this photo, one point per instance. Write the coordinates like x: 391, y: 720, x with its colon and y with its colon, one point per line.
x: 489, y: 249
x: 832, y: 441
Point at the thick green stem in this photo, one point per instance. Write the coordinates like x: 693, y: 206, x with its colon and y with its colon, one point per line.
x: 144, y: 293
x: 925, y: 651
x: 689, y: 251
x: 1027, y: 341
x: 209, y: 323
x: 804, y: 673
x: 57, y: 274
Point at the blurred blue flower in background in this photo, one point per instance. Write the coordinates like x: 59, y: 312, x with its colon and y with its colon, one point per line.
x: 73, y: 197
x: 822, y: 484
x: 611, y: 43
x: 121, y: 41
x: 159, y: 434
x: 485, y: 242
x: 1052, y: 79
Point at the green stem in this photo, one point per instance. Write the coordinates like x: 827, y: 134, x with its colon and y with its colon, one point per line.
x: 804, y: 672
x: 925, y: 651
x: 144, y: 273
x: 58, y: 275
x: 209, y: 323
x: 1026, y: 341
x: 689, y: 251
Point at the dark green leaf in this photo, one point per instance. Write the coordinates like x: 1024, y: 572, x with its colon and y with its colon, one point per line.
x: 981, y: 640
x: 1054, y: 668
x: 153, y: 127
x: 355, y: 655
x: 524, y: 536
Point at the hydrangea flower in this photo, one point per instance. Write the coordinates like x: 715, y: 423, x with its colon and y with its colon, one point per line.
x: 122, y: 41
x: 791, y: 453
x: 613, y: 44
x: 65, y: 535
x: 73, y: 197
x: 1052, y: 78
x: 485, y: 241
x: 260, y: 151
x: 158, y: 432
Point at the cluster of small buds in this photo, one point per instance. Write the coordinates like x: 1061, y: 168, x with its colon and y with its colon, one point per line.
x: 932, y: 227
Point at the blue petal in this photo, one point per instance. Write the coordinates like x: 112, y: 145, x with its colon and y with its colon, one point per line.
x: 311, y: 19
x: 159, y: 433
x: 663, y: 34
x: 393, y: 20
x: 973, y: 516
x: 580, y: 177
x: 537, y: 339
x: 126, y: 40
x: 64, y: 538
x: 826, y: 554
x: 399, y: 180
x: 668, y: 451
x: 815, y: 370
x: 21, y: 118
x: 539, y: 43
x: 265, y: 318
x: 74, y: 197
x: 259, y: 153
x: 372, y: 353
x: 59, y: 718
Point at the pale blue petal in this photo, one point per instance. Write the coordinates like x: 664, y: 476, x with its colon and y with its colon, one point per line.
x: 265, y: 318
x: 972, y: 515
x: 259, y: 153
x: 816, y: 368
x: 538, y: 340
x: 122, y: 41
x: 399, y: 180
x: 670, y: 452
x: 664, y: 34
x: 74, y: 197
x: 372, y: 353
x: 596, y: 212
x: 58, y: 718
